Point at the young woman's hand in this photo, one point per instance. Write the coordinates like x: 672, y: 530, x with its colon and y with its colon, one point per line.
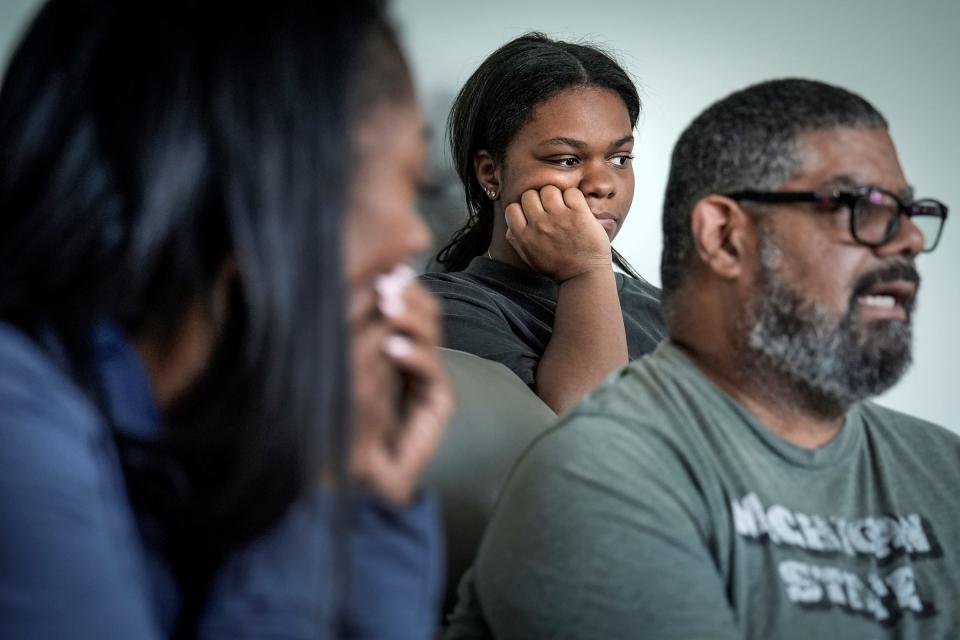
x: 556, y: 234
x: 402, y: 398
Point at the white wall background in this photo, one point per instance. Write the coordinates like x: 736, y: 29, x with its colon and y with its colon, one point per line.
x: 905, y: 58
x: 13, y: 15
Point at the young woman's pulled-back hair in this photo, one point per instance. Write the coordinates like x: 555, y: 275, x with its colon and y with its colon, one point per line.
x: 147, y: 149
x: 499, y: 99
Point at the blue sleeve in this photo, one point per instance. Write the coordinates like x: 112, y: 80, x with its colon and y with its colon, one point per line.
x: 70, y: 560
x: 397, y: 570
x: 294, y: 582
x: 71, y: 563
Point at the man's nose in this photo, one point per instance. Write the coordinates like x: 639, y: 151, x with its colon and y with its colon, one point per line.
x: 907, y: 242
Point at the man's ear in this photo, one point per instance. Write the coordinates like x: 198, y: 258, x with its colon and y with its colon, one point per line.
x: 721, y: 233
x: 488, y: 173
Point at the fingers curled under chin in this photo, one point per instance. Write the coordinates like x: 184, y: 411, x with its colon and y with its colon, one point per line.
x: 515, y: 218
x: 531, y: 202
x: 552, y: 199
x: 573, y: 198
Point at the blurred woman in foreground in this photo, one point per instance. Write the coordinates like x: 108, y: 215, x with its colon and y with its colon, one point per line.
x: 204, y: 213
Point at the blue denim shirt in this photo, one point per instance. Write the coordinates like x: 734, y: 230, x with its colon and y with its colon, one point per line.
x: 72, y: 561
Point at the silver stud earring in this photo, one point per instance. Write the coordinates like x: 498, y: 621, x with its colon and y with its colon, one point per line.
x: 491, y: 194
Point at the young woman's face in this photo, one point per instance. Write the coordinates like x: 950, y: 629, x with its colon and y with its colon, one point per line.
x: 582, y: 138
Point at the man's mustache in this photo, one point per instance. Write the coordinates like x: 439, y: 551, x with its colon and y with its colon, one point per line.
x: 890, y: 273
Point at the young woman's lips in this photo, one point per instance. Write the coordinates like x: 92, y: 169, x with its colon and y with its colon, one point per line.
x: 606, y: 220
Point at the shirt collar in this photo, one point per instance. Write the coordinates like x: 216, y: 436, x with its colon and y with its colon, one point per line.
x: 127, y: 396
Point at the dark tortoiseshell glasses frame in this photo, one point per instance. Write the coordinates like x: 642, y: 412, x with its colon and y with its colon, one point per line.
x: 874, y: 213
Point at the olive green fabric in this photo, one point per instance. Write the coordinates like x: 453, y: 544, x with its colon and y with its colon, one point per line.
x: 659, y: 508
x: 497, y: 417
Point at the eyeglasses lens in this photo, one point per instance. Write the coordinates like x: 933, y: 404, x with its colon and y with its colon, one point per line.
x: 928, y: 217
x: 875, y: 215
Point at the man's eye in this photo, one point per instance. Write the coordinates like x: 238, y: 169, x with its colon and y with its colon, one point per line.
x: 621, y: 160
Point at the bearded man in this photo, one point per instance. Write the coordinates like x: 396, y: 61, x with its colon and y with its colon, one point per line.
x: 738, y: 483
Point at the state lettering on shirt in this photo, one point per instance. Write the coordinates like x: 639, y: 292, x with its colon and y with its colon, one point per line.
x: 883, y: 596
x: 878, y: 536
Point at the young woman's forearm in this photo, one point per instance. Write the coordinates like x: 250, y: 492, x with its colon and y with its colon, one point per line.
x: 588, y: 340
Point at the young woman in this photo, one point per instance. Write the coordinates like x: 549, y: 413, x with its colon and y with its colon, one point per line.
x: 191, y: 276
x: 542, y: 136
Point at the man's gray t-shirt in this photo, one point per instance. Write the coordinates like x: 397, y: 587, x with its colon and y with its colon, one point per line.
x: 660, y: 508
x: 502, y: 313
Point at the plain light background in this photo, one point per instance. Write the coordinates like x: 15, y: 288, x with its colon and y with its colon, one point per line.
x: 685, y: 54
x: 905, y: 58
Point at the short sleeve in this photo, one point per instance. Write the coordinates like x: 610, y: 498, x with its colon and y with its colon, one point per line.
x: 600, y: 534
x: 474, y: 323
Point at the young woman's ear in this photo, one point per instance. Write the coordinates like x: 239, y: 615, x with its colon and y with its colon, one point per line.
x: 721, y: 233
x: 488, y: 173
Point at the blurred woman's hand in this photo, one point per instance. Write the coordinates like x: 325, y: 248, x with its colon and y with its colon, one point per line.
x: 402, y: 397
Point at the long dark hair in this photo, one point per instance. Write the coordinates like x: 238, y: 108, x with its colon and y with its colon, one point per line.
x: 146, y: 145
x: 498, y: 100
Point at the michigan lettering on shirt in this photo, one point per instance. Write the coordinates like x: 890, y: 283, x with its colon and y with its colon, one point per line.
x: 883, y: 597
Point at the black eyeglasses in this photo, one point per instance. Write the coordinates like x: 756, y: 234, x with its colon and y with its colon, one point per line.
x: 874, y: 213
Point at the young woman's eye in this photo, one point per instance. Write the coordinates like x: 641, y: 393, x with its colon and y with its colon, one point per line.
x: 621, y: 160
x: 566, y: 161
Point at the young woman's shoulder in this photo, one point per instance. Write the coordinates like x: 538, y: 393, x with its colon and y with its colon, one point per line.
x: 640, y: 288
x: 463, y: 289
x: 642, y: 315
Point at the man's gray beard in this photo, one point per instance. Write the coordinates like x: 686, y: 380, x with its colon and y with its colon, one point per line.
x: 827, y: 363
